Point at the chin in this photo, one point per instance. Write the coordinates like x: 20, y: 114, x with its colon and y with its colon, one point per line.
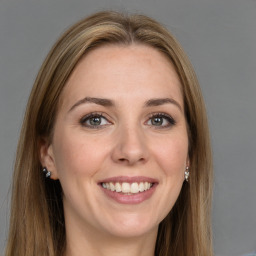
x: 132, y: 226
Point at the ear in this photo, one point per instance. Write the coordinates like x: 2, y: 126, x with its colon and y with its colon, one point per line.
x: 46, y: 156
x: 188, y: 162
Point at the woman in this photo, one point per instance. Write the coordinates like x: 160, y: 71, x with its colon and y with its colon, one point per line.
x: 114, y: 154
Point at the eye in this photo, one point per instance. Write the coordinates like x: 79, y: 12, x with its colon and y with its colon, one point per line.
x: 161, y: 120
x: 94, y: 121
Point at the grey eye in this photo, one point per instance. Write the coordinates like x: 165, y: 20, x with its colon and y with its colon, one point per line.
x: 94, y: 121
x: 161, y: 120
x: 158, y: 121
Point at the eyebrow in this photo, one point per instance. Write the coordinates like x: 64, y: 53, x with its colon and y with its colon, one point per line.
x: 98, y: 101
x: 110, y: 103
x: 158, y: 102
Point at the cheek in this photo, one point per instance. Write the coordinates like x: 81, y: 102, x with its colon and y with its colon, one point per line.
x: 172, y: 155
x: 78, y: 155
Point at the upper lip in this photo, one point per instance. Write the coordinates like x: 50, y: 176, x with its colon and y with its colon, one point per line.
x: 129, y: 179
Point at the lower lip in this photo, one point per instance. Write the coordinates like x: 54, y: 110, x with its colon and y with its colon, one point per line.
x: 132, y: 198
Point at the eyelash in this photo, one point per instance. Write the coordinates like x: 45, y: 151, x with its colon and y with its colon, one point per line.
x: 101, y: 116
x: 86, y: 118
x: 168, y: 118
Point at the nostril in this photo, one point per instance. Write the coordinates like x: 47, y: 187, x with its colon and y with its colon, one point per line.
x: 130, y: 161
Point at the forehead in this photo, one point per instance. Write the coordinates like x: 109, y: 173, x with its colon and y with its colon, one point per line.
x: 118, y: 69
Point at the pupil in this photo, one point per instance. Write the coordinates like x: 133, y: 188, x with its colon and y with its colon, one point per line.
x: 157, y: 121
x: 95, y: 121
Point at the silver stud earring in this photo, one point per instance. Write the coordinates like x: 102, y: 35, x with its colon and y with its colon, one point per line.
x: 46, y: 172
x: 187, y: 174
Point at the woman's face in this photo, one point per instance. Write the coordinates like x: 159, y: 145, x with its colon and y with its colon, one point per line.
x: 120, y: 144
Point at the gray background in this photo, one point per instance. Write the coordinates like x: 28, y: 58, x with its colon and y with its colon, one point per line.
x: 220, y: 38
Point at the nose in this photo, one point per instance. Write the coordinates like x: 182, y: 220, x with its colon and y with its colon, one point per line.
x: 130, y: 147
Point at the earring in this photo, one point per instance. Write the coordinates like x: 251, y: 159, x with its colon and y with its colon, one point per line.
x: 187, y: 174
x: 46, y: 172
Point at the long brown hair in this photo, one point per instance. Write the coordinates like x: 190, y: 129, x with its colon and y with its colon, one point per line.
x: 37, y: 220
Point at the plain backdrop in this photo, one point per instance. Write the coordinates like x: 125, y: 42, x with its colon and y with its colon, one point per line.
x: 219, y: 37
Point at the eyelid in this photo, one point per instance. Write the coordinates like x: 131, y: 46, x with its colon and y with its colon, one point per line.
x: 168, y: 117
x: 84, y: 118
x: 171, y: 121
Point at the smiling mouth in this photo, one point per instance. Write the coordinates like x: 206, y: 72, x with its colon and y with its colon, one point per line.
x: 127, y: 188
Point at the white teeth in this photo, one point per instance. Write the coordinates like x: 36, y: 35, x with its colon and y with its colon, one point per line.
x: 118, y: 187
x: 147, y: 185
x: 134, y: 188
x: 112, y: 186
x: 141, y: 187
x: 126, y: 187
